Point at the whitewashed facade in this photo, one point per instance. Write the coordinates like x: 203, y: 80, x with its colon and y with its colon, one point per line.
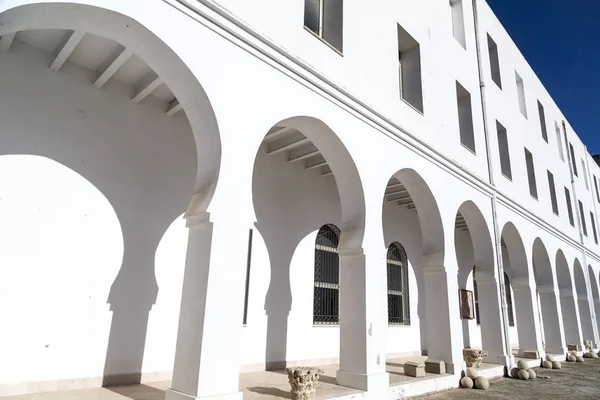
x: 142, y: 141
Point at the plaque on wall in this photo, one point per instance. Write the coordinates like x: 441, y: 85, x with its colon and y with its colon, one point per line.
x: 466, y: 303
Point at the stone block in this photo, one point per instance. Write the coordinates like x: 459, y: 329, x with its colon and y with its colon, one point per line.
x: 574, y: 347
x: 303, y: 382
x: 415, y: 369
x: 534, y: 355
x: 435, y: 366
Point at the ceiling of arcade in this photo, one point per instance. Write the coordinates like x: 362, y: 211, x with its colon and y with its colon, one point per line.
x: 106, y: 58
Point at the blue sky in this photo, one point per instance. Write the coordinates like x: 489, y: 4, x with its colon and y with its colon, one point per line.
x: 561, y: 42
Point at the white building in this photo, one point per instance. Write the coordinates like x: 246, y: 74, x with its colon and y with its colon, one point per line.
x: 171, y: 168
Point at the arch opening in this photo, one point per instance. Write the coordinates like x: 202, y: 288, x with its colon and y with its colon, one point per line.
x: 411, y: 217
x: 548, y: 308
x: 476, y: 270
x: 567, y: 300
x: 130, y: 96
x: 305, y: 188
x: 583, y: 304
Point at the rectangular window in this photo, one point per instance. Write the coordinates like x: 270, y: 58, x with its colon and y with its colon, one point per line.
x: 542, y: 115
x: 569, y: 207
x: 248, y: 262
x: 573, y: 163
x: 325, y: 18
x: 521, y: 94
x: 552, y: 193
x: 559, y: 146
x: 458, y: 22
x: 596, y: 187
x: 494, y: 61
x: 465, y: 117
x: 594, y: 231
x: 531, y: 174
x: 409, y: 69
x: 587, y: 185
x: 505, y: 167
x: 583, y: 225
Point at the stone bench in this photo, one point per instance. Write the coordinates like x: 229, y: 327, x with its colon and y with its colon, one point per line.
x: 415, y: 369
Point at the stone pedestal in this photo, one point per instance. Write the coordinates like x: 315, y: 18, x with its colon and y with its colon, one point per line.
x: 435, y: 366
x: 303, y: 382
x: 415, y: 369
x: 473, y: 358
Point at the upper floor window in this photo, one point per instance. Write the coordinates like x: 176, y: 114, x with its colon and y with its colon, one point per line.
x: 409, y: 69
x: 326, y: 298
x: 458, y: 22
x: 465, y: 117
x: 559, y: 142
x: 505, y: 167
x: 325, y: 18
x: 494, y: 61
x: 552, y: 189
x: 542, y: 116
x: 521, y: 94
x: 596, y: 188
x: 397, y: 282
x: 569, y: 207
x: 531, y: 174
x: 573, y: 162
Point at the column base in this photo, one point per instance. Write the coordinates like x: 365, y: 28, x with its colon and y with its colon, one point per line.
x: 455, y: 368
x: 369, y: 383
x: 172, y: 394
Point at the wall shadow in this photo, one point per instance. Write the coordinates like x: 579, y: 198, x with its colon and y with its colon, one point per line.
x: 142, y: 162
x: 289, y: 203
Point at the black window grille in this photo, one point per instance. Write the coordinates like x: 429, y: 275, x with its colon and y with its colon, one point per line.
x: 476, y: 295
x: 397, y: 282
x: 509, y: 302
x: 248, y: 262
x: 326, y: 301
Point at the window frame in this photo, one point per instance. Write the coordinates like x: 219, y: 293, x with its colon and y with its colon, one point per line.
x: 403, y: 319
x: 322, y: 319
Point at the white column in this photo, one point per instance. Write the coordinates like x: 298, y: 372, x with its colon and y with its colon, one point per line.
x: 554, y: 339
x: 490, y: 315
x: 207, y: 358
x: 362, y: 322
x: 528, y: 321
x: 570, y: 317
x: 586, y: 317
x: 444, y: 326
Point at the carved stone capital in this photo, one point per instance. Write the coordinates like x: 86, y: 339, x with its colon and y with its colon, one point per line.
x: 303, y: 382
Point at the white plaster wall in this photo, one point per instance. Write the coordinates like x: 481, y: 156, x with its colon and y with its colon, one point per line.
x: 403, y: 226
x: 92, y: 245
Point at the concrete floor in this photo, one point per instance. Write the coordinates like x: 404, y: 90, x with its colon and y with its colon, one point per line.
x: 574, y: 381
x: 264, y: 385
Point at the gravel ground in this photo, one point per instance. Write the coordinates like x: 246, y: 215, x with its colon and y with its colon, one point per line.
x: 574, y: 381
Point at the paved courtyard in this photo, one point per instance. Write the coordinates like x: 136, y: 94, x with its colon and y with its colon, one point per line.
x: 574, y: 381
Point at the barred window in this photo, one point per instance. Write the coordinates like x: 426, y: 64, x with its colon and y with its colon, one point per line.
x: 397, y: 282
x: 509, y: 302
x: 326, y: 303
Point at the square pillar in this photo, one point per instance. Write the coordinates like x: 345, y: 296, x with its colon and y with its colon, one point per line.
x: 444, y: 326
x: 207, y: 357
x: 491, y: 321
x: 363, y: 325
x: 528, y: 319
x: 554, y: 338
